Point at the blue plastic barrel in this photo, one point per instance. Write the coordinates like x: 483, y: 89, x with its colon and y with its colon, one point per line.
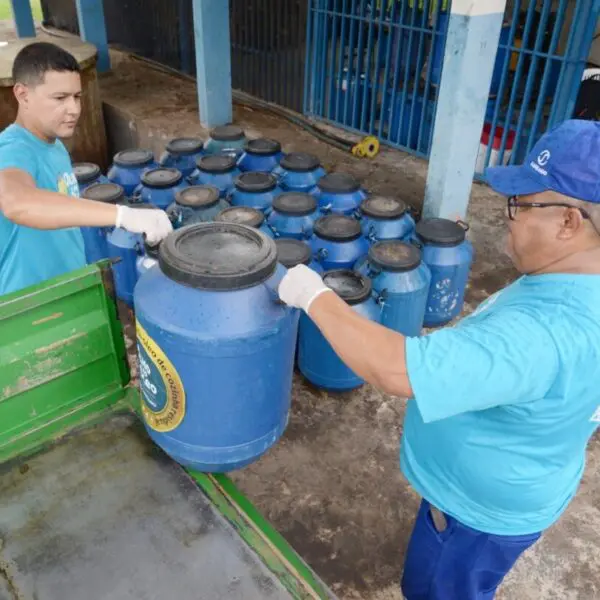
x: 94, y: 238
x: 401, y: 283
x: 449, y: 256
x: 299, y: 172
x: 386, y: 218
x: 260, y: 155
x: 338, y: 242
x: 226, y: 139
x: 216, y: 170
x: 291, y: 253
x: 148, y: 259
x: 294, y: 215
x: 405, y: 130
x: 128, y: 166
x: 317, y: 360
x: 215, y: 347
x: 339, y: 193
x: 128, y: 247
x: 245, y: 215
x: 196, y: 204
x: 181, y: 154
x: 87, y: 174
x: 255, y: 189
x: 159, y: 187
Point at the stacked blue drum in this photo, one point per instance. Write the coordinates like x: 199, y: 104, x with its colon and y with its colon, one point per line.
x: 196, y: 204
x: 128, y: 167
x: 95, y: 238
x: 291, y: 253
x: 255, y: 189
x: 384, y: 218
x: 293, y: 215
x: 209, y: 323
x: 339, y: 193
x: 338, y: 242
x: 317, y: 360
x: 87, y: 174
x: 245, y: 215
x: 159, y: 187
x: 217, y: 170
x: 449, y: 256
x: 299, y: 172
x: 227, y: 140
x: 400, y: 282
x: 181, y: 154
x: 260, y: 155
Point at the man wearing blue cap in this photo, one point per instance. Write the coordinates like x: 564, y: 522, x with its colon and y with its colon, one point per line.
x: 501, y: 406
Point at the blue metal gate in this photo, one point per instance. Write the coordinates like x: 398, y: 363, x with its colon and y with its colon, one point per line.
x: 374, y: 66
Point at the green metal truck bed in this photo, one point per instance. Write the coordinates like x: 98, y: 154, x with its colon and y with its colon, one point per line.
x: 90, y: 508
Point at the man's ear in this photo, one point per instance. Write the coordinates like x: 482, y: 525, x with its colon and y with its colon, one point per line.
x: 573, y: 222
x: 21, y: 92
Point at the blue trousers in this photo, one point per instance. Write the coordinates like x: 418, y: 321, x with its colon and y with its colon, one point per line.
x: 458, y: 563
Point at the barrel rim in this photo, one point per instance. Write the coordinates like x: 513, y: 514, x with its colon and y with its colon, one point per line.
x: 310, y: 204
x: 198, y: 145
x: 213, y: 195
x: 378, y: 260
x: 227, y: 133
x: 263, y: 151
x: 303, y: 254
x: 120, y: 160
x: 257, y: 223
x: 114, y: 197
x: 373, y: 213
x: 216, y: 163
x: 321, y: 232
x: 364, y: 294
x: 338, y: 183
x: 244, y: 182
x: 300, y: 162
x: 440, y: 232
x: 93, y: 171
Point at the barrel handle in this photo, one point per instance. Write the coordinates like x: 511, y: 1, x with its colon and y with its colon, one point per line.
x: 191, y: 178
x: 136, y: 197
x: 326, y: 209
x: 175, y: 215
x: 371, y: 235
x: 357, y: 214
x: 272, y: 284
x: 274, y: 230
x: 380, y: 297
x: 462, y: 224
x: 415, y: 242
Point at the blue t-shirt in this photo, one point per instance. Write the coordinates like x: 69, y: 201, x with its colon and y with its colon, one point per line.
x: 30, y: 256
x: 505, y: 403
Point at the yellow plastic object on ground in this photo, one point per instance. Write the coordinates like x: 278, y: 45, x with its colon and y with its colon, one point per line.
x: 368, y: 147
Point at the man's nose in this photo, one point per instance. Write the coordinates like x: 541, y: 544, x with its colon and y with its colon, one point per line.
x: 74, y: 105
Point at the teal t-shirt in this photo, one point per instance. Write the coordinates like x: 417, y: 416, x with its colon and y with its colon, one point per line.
x: 505, y: 403
x: 30, y: 256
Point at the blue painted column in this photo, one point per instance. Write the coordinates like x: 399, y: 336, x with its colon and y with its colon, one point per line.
x: 23, y: 17
x: 471, y: 45
x: 92, y: 29
x: 213, y: 61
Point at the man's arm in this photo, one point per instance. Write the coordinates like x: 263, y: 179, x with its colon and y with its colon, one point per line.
x: 24, y: 204
x: 373, y: 352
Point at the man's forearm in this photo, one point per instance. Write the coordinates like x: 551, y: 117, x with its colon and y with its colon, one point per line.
x: 373, y: 352
x: 41, y: 209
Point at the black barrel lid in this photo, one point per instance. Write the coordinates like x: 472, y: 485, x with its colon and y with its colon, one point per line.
x: 227, y: 133
x: 295, y: 203
x: 111, y: 193
x: 337, y: 228
x: 185, y: 145
x: 216, y: 163
x: 300, y: 162
x: 198, y: 196
x: 85, y: 172
x: 136, y: 157
x: 151, y: 249
x: 339, y: 183
x: 162, y: 177
x: 393, y: 255
x: 293, y: 252
x: 348, y: 285
x: 263, y: 147
x: 441, y: 232
x: 218, y: 256
x: 255, y: 182
x: 383, y: 207
x: 243, y: 215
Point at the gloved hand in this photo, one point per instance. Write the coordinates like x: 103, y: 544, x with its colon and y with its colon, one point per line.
x: 300, y: 287
x: 155, y: 224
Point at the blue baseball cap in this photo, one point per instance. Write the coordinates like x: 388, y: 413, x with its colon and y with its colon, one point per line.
x: 566, y: 160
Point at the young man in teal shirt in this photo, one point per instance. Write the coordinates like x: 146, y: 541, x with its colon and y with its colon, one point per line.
x: 40, y: 212
x: 501, y: 405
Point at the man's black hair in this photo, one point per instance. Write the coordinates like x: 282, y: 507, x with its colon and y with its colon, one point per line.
x: 35, y: 60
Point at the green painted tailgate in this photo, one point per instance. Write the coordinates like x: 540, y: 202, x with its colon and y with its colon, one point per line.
x: 62, y: 357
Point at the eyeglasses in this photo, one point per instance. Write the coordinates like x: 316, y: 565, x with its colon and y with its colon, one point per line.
x: 513, y: 203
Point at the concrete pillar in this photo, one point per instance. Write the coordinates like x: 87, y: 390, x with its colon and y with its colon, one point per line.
x: 471, y: 45
x: 213, y: 61
x: 23, y: 17
x: 92, y: 29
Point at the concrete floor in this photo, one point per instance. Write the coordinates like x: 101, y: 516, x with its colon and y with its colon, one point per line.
x: 332, y: 486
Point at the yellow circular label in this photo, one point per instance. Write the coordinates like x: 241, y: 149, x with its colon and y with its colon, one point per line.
x: 163, y: 396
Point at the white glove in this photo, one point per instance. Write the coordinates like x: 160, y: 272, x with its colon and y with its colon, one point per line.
x: 155, y: 224
x: 300, y: 287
